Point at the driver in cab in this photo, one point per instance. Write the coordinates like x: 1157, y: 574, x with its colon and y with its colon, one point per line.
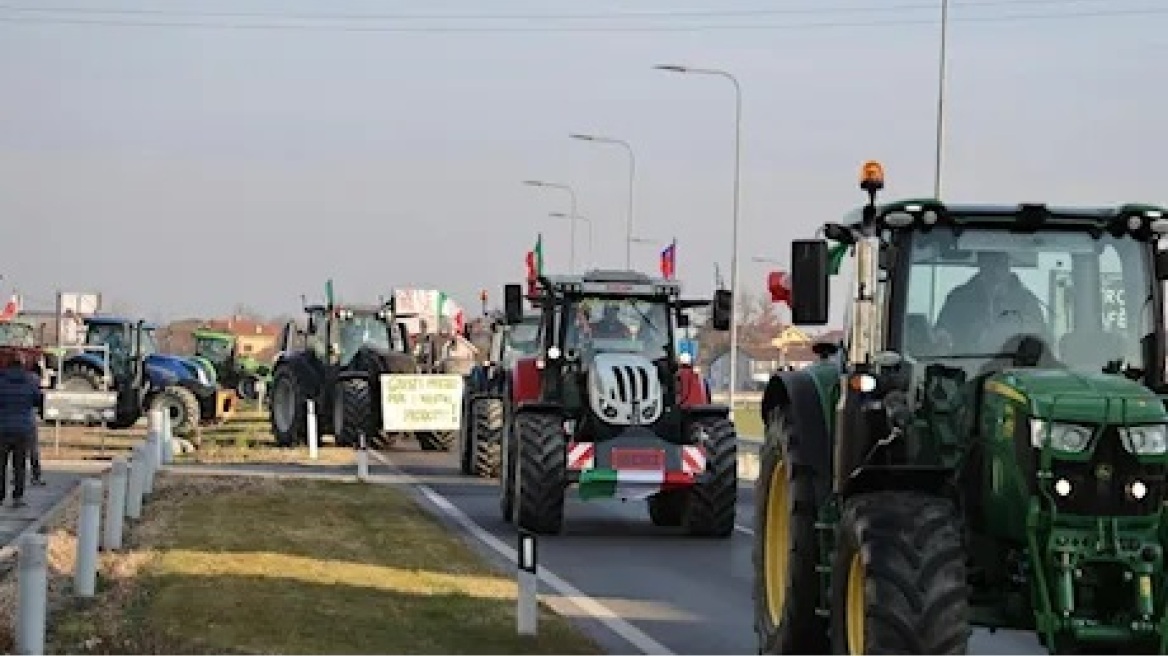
x: 982, y: 314
x: 610, y: 325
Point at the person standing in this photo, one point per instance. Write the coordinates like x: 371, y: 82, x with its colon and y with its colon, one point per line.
x: 20, y: 397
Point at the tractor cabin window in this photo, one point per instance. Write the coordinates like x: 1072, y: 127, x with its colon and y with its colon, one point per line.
x: 971, y: 298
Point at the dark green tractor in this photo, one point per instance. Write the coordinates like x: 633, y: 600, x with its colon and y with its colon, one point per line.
x: 986, y: 447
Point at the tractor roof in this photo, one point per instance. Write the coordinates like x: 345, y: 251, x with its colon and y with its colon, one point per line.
x: 355, y: 308
x: 213, y: 333
x: 986, y: 213
x: 616, y: 283
x: 110, y: 320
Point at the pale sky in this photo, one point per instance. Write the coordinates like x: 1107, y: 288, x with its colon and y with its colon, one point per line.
x: 185, y: 169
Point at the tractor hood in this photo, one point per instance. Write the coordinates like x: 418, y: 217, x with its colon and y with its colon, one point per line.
x: 171, y: 368
x: 1063, y: 395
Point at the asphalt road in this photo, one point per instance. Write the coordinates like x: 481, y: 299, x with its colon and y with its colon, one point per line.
x: 692, y: 596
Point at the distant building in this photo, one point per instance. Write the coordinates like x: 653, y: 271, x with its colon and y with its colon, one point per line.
x: 256, y: 338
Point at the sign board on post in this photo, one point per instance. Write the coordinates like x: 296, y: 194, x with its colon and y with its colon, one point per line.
x: 421, y: 402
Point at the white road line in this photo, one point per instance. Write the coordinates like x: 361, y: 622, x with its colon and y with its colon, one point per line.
x: 575, y: 596
x: 742, y: 529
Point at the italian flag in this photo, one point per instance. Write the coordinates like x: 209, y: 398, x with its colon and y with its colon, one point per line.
x: 629, y: 485
x: 448, y: 308
x: 534, y: 263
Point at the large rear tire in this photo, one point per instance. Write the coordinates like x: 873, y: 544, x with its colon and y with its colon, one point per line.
x: 289, y: 413
x: 183, y: 407
x: 714, y: 502
x: 786, y: 549
x: 352, y: 411
x: 668, y: 508
x: 543, y: 472
x: 487, y: 437
x: 898, y: 581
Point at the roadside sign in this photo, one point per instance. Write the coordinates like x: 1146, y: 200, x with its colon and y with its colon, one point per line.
x: 421, y: 402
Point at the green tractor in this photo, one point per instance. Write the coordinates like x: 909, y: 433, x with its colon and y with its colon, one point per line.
x: 986, y: 447
x: 219, y: 351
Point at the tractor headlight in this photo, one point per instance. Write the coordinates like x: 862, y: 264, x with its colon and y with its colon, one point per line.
x: 1071, y: 438
x: 553, y: 353
x: 1147, y: 440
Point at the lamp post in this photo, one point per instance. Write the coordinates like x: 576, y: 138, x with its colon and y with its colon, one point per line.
x: 572, y: 195
x: 561, y: 215
x: 941, y: 74
x: 632, y: 185
x: 734, y: 230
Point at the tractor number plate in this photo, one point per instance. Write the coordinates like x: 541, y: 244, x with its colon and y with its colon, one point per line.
x: 641, y: 459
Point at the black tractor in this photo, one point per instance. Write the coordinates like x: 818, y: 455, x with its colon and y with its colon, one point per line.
x: 486, y: 395
x: 337, y: 362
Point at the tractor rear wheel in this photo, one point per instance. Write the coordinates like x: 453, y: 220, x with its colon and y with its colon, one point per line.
x: 898, y: 583
x: 183, y: 407
x: 80, y: 378
x: 289, y: 412
x: 352, y: 411
x: 487, y: 437
x: 713, y: 502
x: 543, y: 472
x: 786, y: 550
x: 668, y: 508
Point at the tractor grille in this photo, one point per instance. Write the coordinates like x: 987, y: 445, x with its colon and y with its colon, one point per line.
x: 1100, y: 486
x: 632, y: 384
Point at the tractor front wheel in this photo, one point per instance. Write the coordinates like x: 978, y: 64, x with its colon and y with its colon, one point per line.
x: 714, y: 501
x: 352, y: 411
x: 543, y: 474
x: 786, y: 550
x: 436, y: 440
x: 487, y: 437
x: 898, y: 584
x: 289, y: 412
x: 183, y: 407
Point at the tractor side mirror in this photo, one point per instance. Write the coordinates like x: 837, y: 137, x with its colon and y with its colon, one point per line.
x: 809, y: 282
x: 512, y: 304
x: 1162, y: 265
x: 723, y: 307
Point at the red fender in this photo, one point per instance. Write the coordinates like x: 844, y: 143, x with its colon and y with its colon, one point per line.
x: 690, y: 388
x: 525, y: 380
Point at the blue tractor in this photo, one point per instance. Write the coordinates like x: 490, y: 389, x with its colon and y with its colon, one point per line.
x: 144, y: 378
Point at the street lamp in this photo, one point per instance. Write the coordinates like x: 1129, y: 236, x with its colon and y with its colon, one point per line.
x: 572, y: 194
x: 734, y: 239
x: 561, y: 215
x: 941, y: 102
x: 632, y: 184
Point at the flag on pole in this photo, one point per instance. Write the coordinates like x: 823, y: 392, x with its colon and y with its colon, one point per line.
x: 835, y: 257
x: 779, y: 285
x: 669, y: 260
x: 12, y: 308
x: 534, y: 264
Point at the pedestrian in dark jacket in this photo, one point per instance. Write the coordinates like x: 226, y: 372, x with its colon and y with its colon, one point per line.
x: 20, y: 398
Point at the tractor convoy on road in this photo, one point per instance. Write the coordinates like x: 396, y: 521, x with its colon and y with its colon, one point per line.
x: 986, y: 445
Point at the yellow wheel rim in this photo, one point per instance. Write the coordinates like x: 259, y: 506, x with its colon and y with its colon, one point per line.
x: 778, y: 543
x: 856, y: 606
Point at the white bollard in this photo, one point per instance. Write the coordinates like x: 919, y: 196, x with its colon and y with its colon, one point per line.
x: 151, y: 452
x: 313, y: 441
x: 154, y: 424
x: 32, y: 593
x: 167, y: 439
x: 88, y: 532
x: 528, y: 612
x: 134, y: 487
x: 115, y: 504
x: 362, y: 458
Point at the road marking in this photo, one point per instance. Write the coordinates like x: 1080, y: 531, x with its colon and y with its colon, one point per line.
x: 742, y: 529
x: 575, y: 596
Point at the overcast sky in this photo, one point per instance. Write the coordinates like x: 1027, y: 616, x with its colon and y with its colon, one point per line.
x: 240, y: 159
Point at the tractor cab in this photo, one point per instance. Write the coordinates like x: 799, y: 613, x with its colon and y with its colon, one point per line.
x: 337, y: 334
x: 998, y: 393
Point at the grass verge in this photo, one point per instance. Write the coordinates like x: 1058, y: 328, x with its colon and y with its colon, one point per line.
x: 242, y: 565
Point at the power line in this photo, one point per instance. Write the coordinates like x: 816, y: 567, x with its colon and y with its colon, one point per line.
x: 608, y: 15
x: 223, y: 25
